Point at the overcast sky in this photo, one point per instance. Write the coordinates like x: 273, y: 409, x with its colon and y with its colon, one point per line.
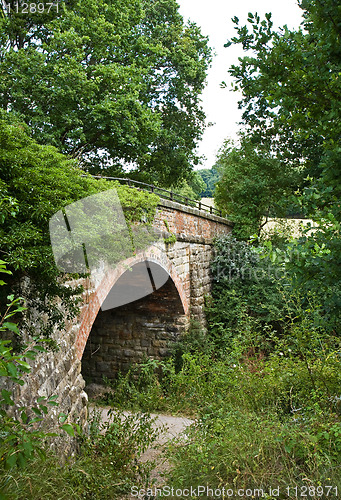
x: 214, y: 17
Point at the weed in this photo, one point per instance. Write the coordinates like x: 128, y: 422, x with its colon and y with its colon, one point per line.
x: 106, y: 466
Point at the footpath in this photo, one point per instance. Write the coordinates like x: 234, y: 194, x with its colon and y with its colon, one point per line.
x: 169, y: 428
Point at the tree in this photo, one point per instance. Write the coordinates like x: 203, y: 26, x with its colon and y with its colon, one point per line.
x: 210, y: 177
x: 112, y: 83
x: 291, y: 88
x: 192, y: 187
x: 36, y: 182
x: 252, y: 183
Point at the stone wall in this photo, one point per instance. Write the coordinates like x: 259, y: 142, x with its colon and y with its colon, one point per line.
x: 56, y: 372
x: 190, y: 224
x: 195, y: 231
x: 192, y: 262
x: 128, y: 334
x: 124, y: 335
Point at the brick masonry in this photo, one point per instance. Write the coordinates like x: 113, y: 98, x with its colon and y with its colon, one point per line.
x: 106, y: 341
x: 128, y: 334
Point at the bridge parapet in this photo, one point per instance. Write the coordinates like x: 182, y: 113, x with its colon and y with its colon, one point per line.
x: 189, y: 223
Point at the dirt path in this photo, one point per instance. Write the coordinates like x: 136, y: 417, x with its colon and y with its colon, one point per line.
x: 170, y: 427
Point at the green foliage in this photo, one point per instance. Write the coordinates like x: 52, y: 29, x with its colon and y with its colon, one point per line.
x: 107, y: 460
x: 264, y: 422
x: 252, y: 183
x: 318, y: 268
x: 260, y: 420
x: 285, y: 100
x: 246, y: 450
x: 290, y: 83
x: 169, y: 240
x: 245, y: 294
x: 20, y: 436
x: 121, y: 438
x: 191, y: 188
x: 106, y: 466
x: 139, y: 389
x: 312, y: 263
x: 263, y: 382
x: 54, y: 182
x: 210, y: 177
x: 193, y: 341
x: 109, y: 83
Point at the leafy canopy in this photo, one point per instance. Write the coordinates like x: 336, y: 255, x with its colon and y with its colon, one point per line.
x: 112, y: 83
x: 291, y: 89
x: 36, y: 182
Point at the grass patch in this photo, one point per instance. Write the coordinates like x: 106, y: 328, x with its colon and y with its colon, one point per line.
x: 262, y: 420
x: 105, y: 468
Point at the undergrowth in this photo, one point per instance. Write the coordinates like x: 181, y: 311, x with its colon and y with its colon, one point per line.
x: 263, y: 385
x: 266, y: 401
x: 260, y: 420
x: 105, y: 467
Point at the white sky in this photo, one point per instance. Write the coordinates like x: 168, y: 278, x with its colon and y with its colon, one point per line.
x: 214, y: 18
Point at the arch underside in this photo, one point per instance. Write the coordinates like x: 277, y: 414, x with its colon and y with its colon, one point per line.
x: 125, y: 335
x: 113, y: 294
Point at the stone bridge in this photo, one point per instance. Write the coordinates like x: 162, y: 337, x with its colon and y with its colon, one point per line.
x: 110, y: 340
x: 101, y: 342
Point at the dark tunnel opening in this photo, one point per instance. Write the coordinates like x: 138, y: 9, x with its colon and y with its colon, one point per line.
x: 124, y: 335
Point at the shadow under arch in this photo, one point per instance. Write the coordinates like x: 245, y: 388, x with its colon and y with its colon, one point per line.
x: 90, y: 310
x: 123, y: 335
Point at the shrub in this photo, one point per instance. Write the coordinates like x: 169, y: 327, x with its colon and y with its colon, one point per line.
x: 20, y: 436
x: 246, y: 294
x: 106, y: 466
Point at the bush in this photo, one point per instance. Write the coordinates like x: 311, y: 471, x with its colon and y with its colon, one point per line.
x: 244, y: 450
x: 105, y: 468
x: 245, y: 295
x: 20, y: 436
x: 261, y: 422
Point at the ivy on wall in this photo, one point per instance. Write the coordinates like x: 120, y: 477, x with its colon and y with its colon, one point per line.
x: 35, y: 182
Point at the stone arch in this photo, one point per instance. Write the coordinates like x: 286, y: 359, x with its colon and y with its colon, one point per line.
x: 96, y: 298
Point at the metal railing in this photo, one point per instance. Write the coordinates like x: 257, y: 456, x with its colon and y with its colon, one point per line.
x: 164, y: 193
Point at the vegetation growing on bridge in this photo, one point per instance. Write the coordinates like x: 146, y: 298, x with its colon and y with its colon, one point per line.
x: 35, y: 182
x: 264, y: 381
